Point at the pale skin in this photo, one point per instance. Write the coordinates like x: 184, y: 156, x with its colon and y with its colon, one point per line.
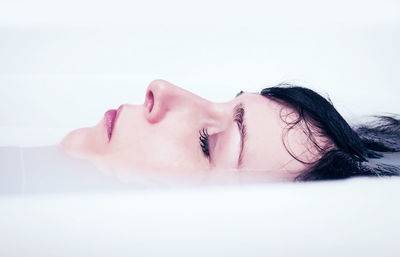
x: 159, y: 140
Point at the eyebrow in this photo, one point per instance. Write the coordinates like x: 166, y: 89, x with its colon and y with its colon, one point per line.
x: 238, y: 117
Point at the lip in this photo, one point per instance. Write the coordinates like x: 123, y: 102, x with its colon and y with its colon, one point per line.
x: 110, y: 119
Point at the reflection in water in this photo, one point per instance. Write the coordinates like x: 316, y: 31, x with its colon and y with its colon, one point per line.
x: 49, y: 170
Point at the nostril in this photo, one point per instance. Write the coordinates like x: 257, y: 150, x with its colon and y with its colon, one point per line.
x: 149, y: 103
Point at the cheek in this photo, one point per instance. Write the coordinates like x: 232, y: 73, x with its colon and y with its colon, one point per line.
x: 149, y: 159
x: 151, y: 148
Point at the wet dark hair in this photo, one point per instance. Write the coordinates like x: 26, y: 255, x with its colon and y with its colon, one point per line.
x: 353, y: 151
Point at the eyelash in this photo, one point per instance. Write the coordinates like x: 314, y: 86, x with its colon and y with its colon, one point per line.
x: 204, y: 142
x: 238, y: 118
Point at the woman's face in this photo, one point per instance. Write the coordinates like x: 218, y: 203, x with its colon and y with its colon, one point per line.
x: 176, y: 136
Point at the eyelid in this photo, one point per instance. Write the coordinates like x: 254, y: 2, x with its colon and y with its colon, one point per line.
x: 208, y: 142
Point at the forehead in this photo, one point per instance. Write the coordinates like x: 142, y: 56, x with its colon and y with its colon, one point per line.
x: 268, y: 133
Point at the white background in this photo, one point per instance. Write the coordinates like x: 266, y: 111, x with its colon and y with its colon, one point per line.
x: 64, y: 63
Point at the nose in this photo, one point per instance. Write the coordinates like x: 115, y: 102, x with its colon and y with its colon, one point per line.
x: 162, y: 97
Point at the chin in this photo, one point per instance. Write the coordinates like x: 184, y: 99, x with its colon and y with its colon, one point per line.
x: 76, y: 143
x: 70, y: 143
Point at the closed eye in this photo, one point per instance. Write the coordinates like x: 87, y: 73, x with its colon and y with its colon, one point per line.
x: 203, y: 139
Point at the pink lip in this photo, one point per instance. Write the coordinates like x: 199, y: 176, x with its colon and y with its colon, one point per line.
x: 110, y: 119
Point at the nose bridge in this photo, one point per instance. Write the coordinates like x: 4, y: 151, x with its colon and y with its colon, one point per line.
x: 165, y: 90
x: 219, y: 116
x: 166, y: 97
